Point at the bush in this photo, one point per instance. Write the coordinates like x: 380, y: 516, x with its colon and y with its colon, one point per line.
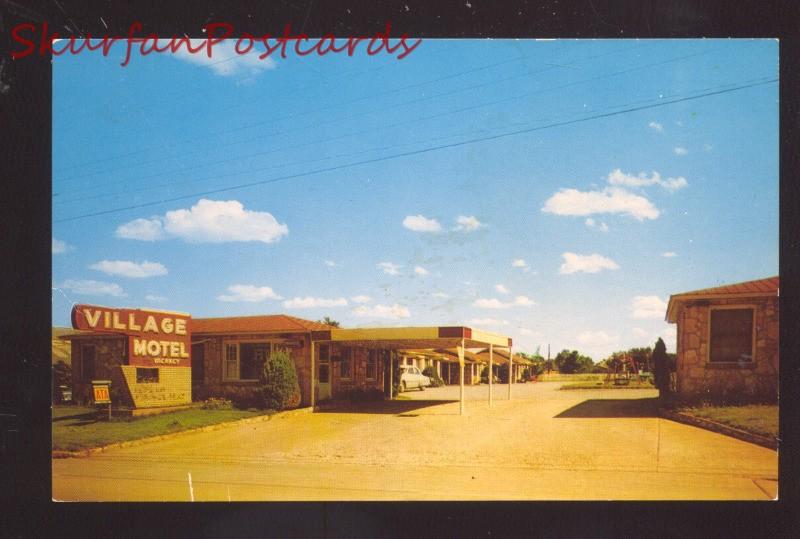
x: 217, y: 403
x: 280, y: 389
x: 436, y: 380
x: 502, y: 373
x: 62, y: 376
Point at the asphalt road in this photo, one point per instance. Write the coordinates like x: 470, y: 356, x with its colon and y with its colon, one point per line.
x: 544, y: 444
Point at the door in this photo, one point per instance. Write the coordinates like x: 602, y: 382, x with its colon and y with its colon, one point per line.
x: 324, y: 372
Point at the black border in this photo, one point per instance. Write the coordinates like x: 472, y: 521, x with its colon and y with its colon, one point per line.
x: 25, y: 228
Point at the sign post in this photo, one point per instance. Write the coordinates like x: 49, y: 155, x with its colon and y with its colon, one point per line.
x: 101, y: 394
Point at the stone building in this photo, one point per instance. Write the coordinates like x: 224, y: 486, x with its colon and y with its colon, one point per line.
x: 728, y: 342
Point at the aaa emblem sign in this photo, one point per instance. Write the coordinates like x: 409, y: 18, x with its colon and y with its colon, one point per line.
x: 100, y: 391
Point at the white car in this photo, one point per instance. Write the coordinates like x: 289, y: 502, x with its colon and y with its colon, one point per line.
x: 411, y: 377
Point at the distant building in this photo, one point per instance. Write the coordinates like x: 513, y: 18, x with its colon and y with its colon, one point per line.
x: 728, y: 342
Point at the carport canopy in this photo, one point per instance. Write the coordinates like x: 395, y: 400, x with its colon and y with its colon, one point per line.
x: 433, y: 338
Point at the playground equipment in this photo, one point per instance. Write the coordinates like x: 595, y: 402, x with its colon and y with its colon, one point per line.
x: 623, y: 369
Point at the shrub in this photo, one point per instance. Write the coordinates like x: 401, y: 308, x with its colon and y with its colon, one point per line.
x: 217, y: 403
x: 280, y: 389
x: 436, y: 380
x: 502, y: 373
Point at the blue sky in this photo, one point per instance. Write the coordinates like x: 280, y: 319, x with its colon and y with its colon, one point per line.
x: 572, y: 234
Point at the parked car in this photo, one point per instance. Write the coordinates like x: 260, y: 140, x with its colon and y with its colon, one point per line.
x: 411, y: 377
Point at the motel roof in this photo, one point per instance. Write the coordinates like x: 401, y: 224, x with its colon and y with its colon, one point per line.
x: 270, y: 323
x: 749, y: 289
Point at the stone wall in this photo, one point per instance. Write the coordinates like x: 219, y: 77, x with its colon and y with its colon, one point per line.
x: 358, y: 373
x: 110, y: 353
x: 214, y: 386
x: 697, y: 378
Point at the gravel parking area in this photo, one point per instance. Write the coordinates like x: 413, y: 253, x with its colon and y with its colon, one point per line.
x: 545, y: 444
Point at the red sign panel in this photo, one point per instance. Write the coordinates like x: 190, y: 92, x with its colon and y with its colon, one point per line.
x: 155, y: 338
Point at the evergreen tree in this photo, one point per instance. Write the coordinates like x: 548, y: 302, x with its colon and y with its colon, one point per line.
x: 661, y: 368
x: 280, y: 388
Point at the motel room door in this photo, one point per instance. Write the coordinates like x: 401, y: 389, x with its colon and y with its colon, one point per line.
x: 324, y: 372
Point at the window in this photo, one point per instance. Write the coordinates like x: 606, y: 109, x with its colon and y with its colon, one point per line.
x: 146, y: 376
x: 345, y: 367
x: 244, y: 361
x: 87, y: 362
x: 252, y: 357
x: 372, y: 365
x: 731, y: 335
x: 324, y: 373
x: 231, y: 361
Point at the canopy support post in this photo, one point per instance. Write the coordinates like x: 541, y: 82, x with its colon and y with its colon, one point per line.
x: 461, y: 374
x: 491, y: 372
x: 313, y: 377
x: 510, y: 371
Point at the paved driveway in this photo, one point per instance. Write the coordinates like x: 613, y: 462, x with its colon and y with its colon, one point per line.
x: 544, y: 444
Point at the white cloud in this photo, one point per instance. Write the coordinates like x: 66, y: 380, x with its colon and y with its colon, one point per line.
x: 708, y: 147
x: 309, y: 302
x: 655, y: 126
x: 208, y: 221
x: 680, y: 150
x: 419, y: 270
x: 361, y: 299
x: 494, y: 303
x: 608, y: 200
x: 468, y: 224
x: 60, y: 247
x: 142, y: 230
x: 526, y: 331
x: 591, y: 223
x: 490, y: 303
x: 126, y: 268
x: 439, y: 295
x: 669, y: 254
x: 501, y: 288
x: 520, y: 263
x: 419, y: 223
x: 155, y: 299
x: 224, y: 60
x: 639, y: 332
x: 574, y: 263
x: 596, y: 339
x: 330, y: 263
x: 93, y: 288
x: 617, y: 177
x: 391, y: 312
x: 523, y: 301
x: 389, y: 268
x: 248, y: 293
x: 487, y: 322
x: 648, y: 307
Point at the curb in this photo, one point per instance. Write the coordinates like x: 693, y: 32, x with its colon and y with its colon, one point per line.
x: 60, y: 454
x: 763, y: 441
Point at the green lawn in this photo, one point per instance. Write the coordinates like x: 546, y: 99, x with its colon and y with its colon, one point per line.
x: 602, y: 385
x: 759, y: 419
x: 76, y: 427
x: 558, y: 377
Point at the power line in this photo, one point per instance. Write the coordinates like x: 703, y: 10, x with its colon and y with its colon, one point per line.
x: 182, y: 96
x: 382, y: 109
x: 303, y: 162
x: 217, y: 133
x: 413, y: 152
x: 302, y: 113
